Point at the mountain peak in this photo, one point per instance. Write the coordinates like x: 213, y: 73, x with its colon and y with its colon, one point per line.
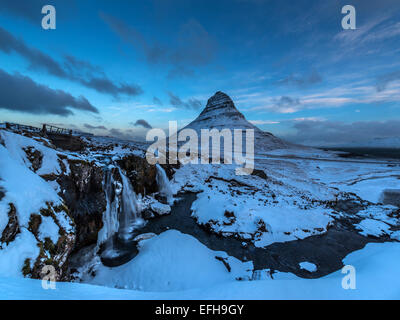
x: 221, y: 105
x: 221, y: 113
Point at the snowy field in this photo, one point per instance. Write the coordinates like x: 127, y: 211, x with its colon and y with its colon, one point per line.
x: 292, y: 195
x: 377, y: 277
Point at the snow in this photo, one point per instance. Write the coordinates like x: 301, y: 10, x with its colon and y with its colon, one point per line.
x: 25, y: 189
x: 311, y: 267
x: 285, y: 205
x: 160, y: 208
x: 377, y: 269
x: 284, y: 208
x: 372, y: 189
x: 371, y: 227
x: 48, y: 229
x: 29, y: 193
x: 13, y: 256
x: 16, y: 144
x: 171, y: 261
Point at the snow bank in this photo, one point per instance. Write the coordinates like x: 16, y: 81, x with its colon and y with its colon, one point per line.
x: 172, y: 261
x: 377, y: 277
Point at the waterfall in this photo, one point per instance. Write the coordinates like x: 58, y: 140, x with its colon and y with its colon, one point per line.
x: 164, y: 184
x: 110, y: 218
x: 131, y: 217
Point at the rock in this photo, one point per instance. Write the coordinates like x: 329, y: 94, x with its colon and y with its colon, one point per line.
x: 348, y: 206
x: 147, y: 214
x: 67, y: 142
x: 12, y: 228
x: 260, y: 173
x: 391, y: 197
x: 144, y: 236
x: 225, y: 262
x: 82, y: 191
x: 141, y: 174
x: 35, y: 221
x: 160, y: 209
x: 35, y: 157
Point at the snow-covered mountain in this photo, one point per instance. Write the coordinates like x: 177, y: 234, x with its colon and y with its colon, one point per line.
x: 221, y: 113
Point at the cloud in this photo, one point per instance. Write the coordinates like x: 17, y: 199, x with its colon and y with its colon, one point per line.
x: 179, y: 103
x: 261, y: 122
x: 37, y: 59
x: 286, y: 104
x: 90, y: 127
x: 336, y: 97
x: 128, y: 134
x: 191, y: 47
x: 326, y: 133
x: 104, y: 85
x: 20, y: 93
x: 386, y: 79
x: 142, y: 123
x: 376, y: 29
x: 30, y: 10
x: 72, y: 69
x: 77, y: 66
x: 301, y: 81
x: 157, y: 101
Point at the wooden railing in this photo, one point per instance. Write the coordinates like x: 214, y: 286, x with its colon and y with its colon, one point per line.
x: 46, y: 128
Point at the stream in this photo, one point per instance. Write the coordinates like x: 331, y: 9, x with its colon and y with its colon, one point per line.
x: 326, y: 251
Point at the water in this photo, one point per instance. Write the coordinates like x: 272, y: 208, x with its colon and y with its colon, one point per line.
x: 164, y: 184
x: 327, y: 250
x: 110, y: 218
x: 112, y: 190
x: 131, y: 217
x: 379, y: 153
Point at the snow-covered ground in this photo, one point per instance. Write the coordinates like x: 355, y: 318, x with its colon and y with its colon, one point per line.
x: 289, y: 197
x: 376, y: 277
x: 29, y: 194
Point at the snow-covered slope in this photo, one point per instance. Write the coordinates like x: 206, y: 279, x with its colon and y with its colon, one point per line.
x: 34, y: 224
x: 221, y: 113
x: 376, y: 269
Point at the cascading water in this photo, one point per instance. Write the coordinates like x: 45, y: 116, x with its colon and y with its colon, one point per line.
x: 110, y: 220
x: 164, y: 184
x: 131, y: 218
x: 112, y: 190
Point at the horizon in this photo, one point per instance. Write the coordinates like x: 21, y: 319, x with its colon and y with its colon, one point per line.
x: 290, y: 69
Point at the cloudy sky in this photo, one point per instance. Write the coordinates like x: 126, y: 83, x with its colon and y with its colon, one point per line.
x: 122, y: 67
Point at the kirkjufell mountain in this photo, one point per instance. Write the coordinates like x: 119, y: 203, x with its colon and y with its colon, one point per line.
x: 221, y: 113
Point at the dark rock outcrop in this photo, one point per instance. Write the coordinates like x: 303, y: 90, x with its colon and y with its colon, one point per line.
x: 35, y: 157
x: 141, y: 174
x: 391, y: 197
x: 82, y: 191
x: 2, y: 194
x: 67, y: 142
x: 12, y: 228
x: 51, y: 254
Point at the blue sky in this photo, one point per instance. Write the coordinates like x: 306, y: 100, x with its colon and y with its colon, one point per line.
x: 288, y: 65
